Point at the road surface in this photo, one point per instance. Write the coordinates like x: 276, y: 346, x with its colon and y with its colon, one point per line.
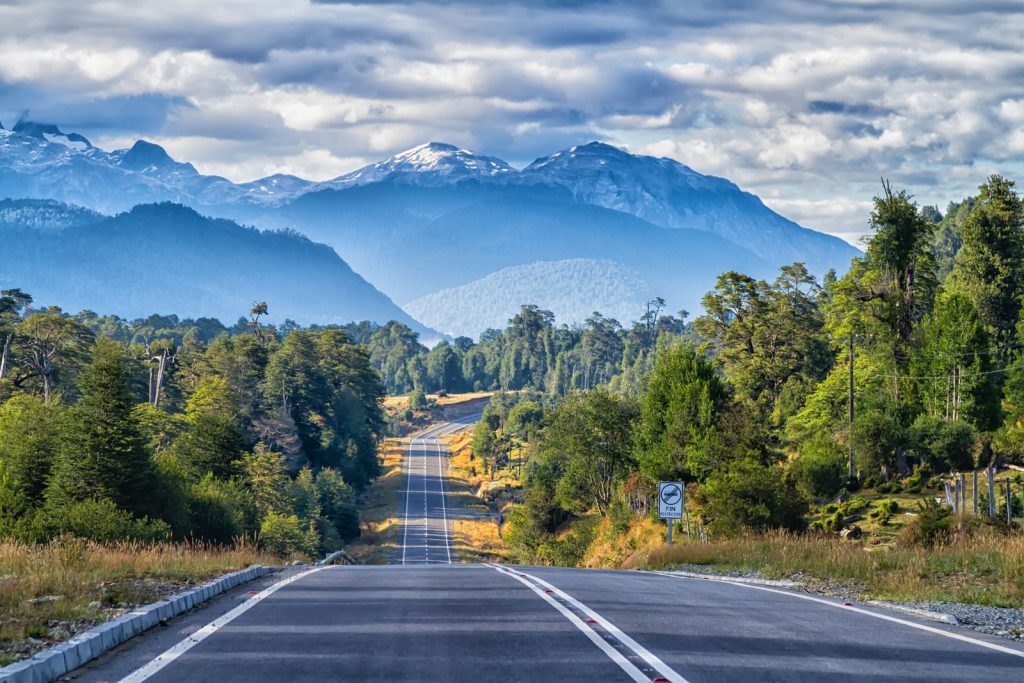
x: 426, y: 530
x: 429, y: 620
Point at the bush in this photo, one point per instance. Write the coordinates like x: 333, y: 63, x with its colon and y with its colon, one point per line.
x: 284, y: 535
x: 752, y: 496
x: 820, y: 468
x: 417, y: 399
x: 933, y: 523
x: 947, y: 445
x: 97, y: 520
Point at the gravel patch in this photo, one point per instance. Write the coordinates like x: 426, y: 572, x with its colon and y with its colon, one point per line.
x: 1007, y: 622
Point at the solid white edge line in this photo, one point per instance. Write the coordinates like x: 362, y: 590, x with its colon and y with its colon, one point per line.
x: 444, y: 506
x: 636, y: 647
x: 169, y: 655
x: 851, y: 608
x: 613, y: 654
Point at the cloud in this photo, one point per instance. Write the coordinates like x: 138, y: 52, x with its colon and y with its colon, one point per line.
x: 805, y: 102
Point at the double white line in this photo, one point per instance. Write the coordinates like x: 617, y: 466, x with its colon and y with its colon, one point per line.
x: 639, y: 663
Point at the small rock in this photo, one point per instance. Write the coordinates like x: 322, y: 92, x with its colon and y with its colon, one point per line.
x: 46, y: 599
x: 852, y: 531
x: 95, y: 604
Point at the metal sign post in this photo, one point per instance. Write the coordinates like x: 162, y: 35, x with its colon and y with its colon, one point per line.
x: 671, y: 501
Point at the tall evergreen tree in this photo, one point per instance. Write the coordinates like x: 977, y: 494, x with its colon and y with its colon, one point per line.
x: 990, y: 264
x: 104, y: 454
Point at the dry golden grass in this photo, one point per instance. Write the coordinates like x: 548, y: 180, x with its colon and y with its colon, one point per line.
x: 379, y: 515
x: 986, y: 567
x: 611, y: 550
x: 477, y: 533
x: 399, y: 402
x: 84, y: 573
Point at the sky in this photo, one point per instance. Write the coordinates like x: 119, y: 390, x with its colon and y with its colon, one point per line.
x: 806, y: 104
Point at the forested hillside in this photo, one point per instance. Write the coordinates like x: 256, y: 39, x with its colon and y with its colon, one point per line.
x: 166, y: 257
x: 755, y: 418
x: 168, y: 428
x: 572, y: 289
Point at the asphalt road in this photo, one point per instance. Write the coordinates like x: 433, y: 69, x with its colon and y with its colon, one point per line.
x: 426, y: 529
x: 431, y: 620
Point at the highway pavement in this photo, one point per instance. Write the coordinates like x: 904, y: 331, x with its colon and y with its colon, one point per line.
x: 426, y: 530
x: 428, y: 618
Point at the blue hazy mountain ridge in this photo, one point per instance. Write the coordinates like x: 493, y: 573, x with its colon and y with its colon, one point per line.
x: 576, y: 288
x: 413, y: 240
x: 39, y: 160
x: 437, y: 217
x: 161, y: 258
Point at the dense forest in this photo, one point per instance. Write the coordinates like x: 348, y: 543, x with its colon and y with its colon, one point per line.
x: 166, y: 428
x: 756, y: 416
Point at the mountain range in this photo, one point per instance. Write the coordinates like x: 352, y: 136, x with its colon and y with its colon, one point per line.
x: 430, y: 221
x: 167, y: 258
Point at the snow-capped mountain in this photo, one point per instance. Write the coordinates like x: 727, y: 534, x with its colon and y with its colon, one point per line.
x: 41, y: 161
x: 672, y: 195
x: 431, y: 164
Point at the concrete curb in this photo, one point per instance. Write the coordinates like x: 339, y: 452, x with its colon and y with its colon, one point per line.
x: 923, y: 613
x: 54, y: 662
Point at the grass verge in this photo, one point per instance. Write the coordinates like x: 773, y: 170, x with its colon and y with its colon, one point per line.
x: 984, y: 568
x: 51, y: 591
x: 380, y: 510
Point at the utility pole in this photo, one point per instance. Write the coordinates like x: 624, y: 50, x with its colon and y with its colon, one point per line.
x: 853, y: 467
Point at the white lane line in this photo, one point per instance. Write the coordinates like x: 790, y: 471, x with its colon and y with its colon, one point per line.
x: 851, y: 608
x: 624, y: 664
x: 444, y: 506
x: 408, y: 487
x: 205, y: 632
x: 639, y: 650
x: 636, y: 647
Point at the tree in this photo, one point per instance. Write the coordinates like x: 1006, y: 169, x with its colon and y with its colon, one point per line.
x: 990, y: 264
x: 50, y: 337
x: 677, y: 433
x: 954, y: 365
x: 444, y: 369
x: 214, y: 441
x: 749, y: 496
x: 890, y: 290
x: 30, y: 437
x: 590, y: 436
x: 820, y: 467
x: 104, y: 454
x: 12, y: 303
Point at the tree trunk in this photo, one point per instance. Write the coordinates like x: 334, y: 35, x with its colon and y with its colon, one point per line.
x: 159, y: 378
x: 3, y: 355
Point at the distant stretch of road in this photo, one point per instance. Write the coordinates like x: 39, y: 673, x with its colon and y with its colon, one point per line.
x: 426, y: 529
x: 428, y: 618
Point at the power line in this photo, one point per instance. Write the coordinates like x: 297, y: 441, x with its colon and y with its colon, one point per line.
x: 946, y: 376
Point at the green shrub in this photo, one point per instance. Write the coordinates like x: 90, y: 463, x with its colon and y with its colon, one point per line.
x: 752, y: 496
x: 285, y: 535
x: 933, y: 522
x: 97, y: 520
x: 949, y: 445
x: 417, y: 399
x: 820, y: 468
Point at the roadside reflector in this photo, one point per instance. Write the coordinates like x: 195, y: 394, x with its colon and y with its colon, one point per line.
x: 591, y: 621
